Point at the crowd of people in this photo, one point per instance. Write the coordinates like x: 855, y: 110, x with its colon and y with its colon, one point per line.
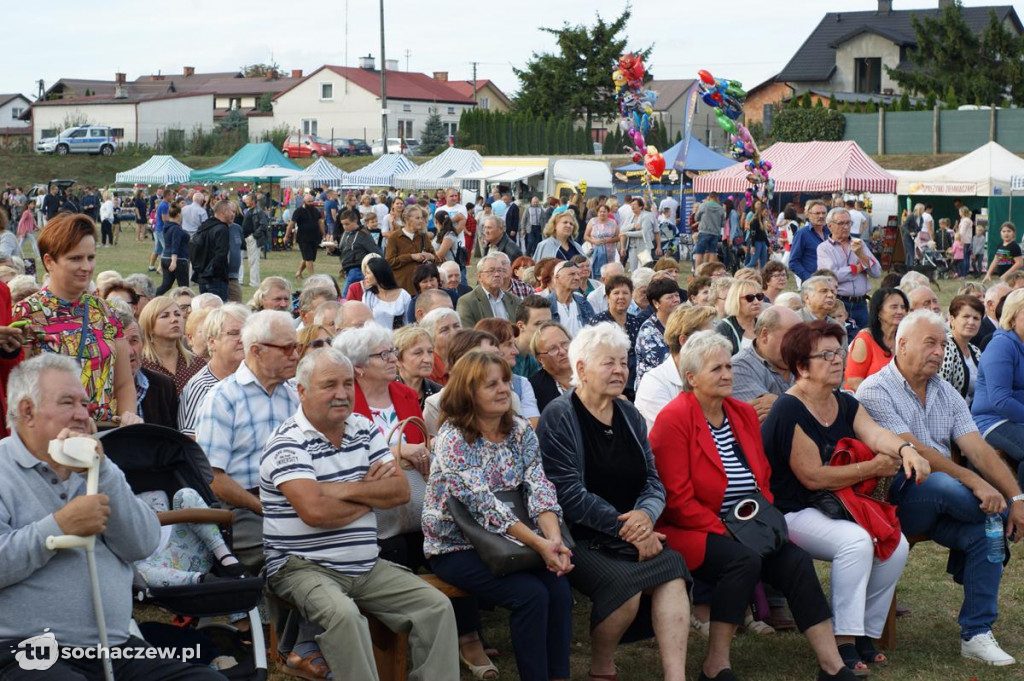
x: 616, y: 432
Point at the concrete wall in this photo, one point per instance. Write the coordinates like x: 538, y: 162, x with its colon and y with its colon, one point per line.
x: 7, y: 119
x: 115, y: 115
x: 181, y: 113
x: 770, y: 95
x: 352, y: 113
x: 864, y: 45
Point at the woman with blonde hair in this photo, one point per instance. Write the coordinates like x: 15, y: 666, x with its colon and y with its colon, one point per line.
x: 163, y: 342
x: 107, y: 219
x: 409, y: 247
x: 415, y: 346
x: 559, y: 238
x: 313, y: 337
x: 273, y: 293
x: 742, y: 305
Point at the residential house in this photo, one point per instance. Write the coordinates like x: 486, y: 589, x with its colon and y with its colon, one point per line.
x: 342, y: 101
x: 488, y: 95
x: 847, y: 53
x: 12, y: 126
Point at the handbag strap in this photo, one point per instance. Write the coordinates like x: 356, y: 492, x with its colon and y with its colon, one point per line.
x: 414, y: 421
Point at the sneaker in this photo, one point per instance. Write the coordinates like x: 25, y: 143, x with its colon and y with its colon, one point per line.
x: 985, y: 648
x: 152, y: 269
x: 698, y: 627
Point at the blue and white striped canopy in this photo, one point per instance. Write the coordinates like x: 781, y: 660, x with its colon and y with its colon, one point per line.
x: 440, y: 172
x: 380, y: 173
x: 157, y: 170
x: 322, y: 173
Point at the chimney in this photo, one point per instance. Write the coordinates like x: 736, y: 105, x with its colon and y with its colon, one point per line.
x: 272, y: 75
x: 188, y: 71
x: 119, y: 79
x: 885, y: 6
x: 391, y: 65
x: 119, y: 89
x: 366, y: 62
x: 296, y: 73
x: 441, y: 76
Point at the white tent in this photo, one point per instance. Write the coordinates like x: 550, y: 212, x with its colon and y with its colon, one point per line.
x: 157, y: 170
x: 380, y: 173
x: 322, y: 173
x: 440, y: 172
x: 597, y: 175
x: 986, y: 171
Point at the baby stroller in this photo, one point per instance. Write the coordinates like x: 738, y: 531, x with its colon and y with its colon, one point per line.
x: 669, y: 239
x: 932, y: 258
x: 158, y: 458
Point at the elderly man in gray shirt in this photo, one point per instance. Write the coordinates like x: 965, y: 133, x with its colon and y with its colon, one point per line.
x: 48, y: 590
x: 759, y: 375
x: 194, y: 214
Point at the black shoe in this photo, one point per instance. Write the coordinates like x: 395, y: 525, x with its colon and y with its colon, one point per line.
x: 724, y: 675
x: 868, y: 653
x: 844, y: 674
x: 211, y: 577
x: 851, y: 658
x: 233, y: 571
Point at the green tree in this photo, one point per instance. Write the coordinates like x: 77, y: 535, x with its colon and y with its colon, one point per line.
x: 265, y: 104
x: 575, y: 81
x: 905, y: 102
x: 805, y: 101
x: 952, y: 101
x: 871, y: 107
x: 818, y: 104
x: 949, y: 56
x: 832, y: 103
x: 805, y: 125
x: 433, y: 139
x: 931, y: 101
x: 260, y: 70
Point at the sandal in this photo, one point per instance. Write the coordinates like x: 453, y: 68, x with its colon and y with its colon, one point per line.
x: 844, y: 674
x: 313, y: 667
x: 851, y: 658
x: 481, y: 672
x: 702, y: 628
x: 868, y: 653
x: 757, y: 627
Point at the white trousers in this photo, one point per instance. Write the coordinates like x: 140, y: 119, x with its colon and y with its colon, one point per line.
x: 252, y: 254
x: 862, y: 585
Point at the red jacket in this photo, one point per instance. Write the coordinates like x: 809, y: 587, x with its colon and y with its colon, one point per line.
x: 6, y: 365
x: 877, y: 517
x: 407, y: 403
x: 692, y: 472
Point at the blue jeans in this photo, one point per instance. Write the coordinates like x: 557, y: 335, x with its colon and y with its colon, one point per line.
x: 353, y: 275
x: 219, y: 288
x: 965, y: 265
x: 706, y: 243
x: 541, y: 610
x: 758, y: 254
x: 1009, y: 438
x: 858, y: 312
x: 158, y: 242
x: 948, y: 512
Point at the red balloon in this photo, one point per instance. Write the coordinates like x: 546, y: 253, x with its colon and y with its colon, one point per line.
x: 717, y: 96
x: 706, y: 77
x: 655, y: 165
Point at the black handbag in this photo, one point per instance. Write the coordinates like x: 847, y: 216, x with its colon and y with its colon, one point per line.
x: 830, y: 505
x: 502, y: 554
x: 754, y: 521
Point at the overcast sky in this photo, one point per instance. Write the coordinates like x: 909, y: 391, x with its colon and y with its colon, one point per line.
x: 742, y: 40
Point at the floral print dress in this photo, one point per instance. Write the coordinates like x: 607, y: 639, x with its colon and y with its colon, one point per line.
x: 472, y: 473
x: 91, y: 343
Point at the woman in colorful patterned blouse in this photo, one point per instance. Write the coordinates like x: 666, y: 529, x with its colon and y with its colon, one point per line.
x: 73, y: 322
x: 163, y: 342
x: 483, y: 448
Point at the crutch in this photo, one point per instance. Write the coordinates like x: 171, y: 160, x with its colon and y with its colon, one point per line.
x: 80, y: 452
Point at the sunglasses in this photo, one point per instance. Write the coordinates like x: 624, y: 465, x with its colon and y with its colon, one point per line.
x: 751, y: 297
x: 319, y: 343
x: 288, y: 350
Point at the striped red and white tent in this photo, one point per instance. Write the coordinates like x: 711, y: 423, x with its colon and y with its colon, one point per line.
x: 808, y: 167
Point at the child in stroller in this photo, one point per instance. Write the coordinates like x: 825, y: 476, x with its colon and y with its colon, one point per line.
x: 932, y: 259
x: 187, y: 551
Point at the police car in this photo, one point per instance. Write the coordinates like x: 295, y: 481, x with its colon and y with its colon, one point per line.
x: 83, y: 139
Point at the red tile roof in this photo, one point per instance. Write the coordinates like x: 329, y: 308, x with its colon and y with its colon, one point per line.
x: 401, y: 85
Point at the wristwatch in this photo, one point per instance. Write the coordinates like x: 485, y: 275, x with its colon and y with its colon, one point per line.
x: 1016, y: 498
x: 911, y: 445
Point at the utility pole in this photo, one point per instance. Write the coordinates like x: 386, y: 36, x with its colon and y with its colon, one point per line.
x: 408, y: 53
x: 383, y: 87
x: 474, y: 81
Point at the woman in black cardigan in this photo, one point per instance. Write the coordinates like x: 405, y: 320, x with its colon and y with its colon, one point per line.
x: 596, y: 453
x: 960, y: 364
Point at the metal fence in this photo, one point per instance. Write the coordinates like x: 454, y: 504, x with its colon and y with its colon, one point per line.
x: 935, y: 132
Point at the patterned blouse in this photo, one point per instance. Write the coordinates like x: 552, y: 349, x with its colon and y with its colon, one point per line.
x: 472, y: 472
x: 183, y: 371
x: 62, y: 322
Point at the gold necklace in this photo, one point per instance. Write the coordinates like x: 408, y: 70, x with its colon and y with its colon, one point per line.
x: 814, y: 411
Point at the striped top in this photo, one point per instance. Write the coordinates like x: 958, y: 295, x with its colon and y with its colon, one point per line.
x: 192, y: 397
x: 298, y: 451
x: 741, y: 482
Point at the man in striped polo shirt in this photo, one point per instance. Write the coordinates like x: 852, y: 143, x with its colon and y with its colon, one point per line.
x: 323, y: 472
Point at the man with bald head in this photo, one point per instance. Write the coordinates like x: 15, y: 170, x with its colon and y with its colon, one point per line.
x: 908, y: 398
x: 923, y: 298
x: 759, y: 373
x: 353, y: 314
x: 427, y: 301
x: 990, y: 322
x: 597, y: 298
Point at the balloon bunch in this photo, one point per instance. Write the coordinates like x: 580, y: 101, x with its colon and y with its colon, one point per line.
x: 726, y: 98
x: 637, y: 107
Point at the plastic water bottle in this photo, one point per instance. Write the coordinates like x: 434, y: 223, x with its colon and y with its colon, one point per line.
x: 994, y: 537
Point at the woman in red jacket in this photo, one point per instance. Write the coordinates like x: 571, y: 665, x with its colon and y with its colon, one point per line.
x: 707, y: 447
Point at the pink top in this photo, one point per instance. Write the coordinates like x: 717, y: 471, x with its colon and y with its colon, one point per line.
x: 958, y: 250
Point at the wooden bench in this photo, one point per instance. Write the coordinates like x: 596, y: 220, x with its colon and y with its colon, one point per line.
x: 390, y: 648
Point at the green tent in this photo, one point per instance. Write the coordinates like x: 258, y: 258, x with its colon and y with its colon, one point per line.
x: 253, y: 155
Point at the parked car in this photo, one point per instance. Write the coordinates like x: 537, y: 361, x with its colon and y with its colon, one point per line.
x: 82, y: 139
x: 344, y: 145
x: 361, y: 147
x: 413, y: 146
x: 394, y: 144
x: 307, y: 146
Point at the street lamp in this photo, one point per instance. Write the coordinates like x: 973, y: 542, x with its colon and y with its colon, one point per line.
x: 383, y: 87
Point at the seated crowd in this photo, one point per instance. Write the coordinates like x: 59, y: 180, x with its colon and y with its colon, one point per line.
x: 618, y: 434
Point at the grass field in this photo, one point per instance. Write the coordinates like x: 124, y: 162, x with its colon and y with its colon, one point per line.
x: 927, y: 643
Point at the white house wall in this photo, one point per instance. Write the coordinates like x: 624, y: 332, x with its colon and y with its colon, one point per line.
x: 180, y: 113
x: 864, y: 45
x: 7, y: 119
x: 355, y: 113
x: 114, y: 115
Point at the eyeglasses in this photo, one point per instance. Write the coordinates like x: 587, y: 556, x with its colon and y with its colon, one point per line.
x: 842, y: 223
x: 751, y: 297
x: 559, y: 349
x: 780, y: 275
x: 385, y: 355
x: 289, y: 349
x: 830, y: 355
x: 819, y: 212
x: 320, y: 343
